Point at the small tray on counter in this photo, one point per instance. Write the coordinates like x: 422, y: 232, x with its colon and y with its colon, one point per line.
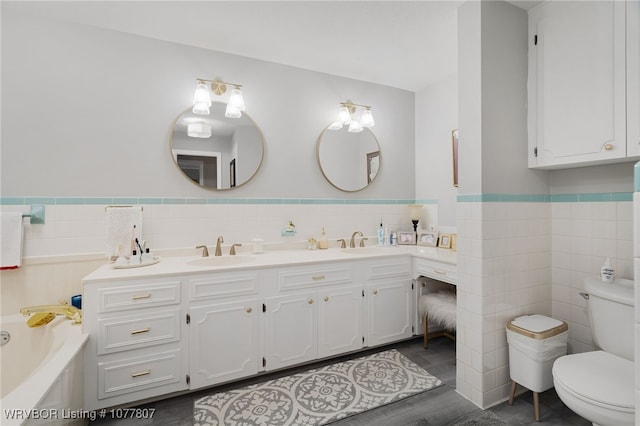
x: 155, y: 260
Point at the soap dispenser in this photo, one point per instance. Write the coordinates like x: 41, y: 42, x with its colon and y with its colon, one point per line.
x: 323, y: 243
x: 606, y: 272
x: 381, y: 234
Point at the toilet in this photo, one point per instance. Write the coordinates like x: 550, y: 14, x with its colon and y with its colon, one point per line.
x: 599, y: 385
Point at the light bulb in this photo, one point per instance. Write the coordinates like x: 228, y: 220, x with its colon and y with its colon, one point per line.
x: 336, y: 125
x: 366, y: 119
x: 355, y: 127
x: 236, y: 99
x: 344, y: 115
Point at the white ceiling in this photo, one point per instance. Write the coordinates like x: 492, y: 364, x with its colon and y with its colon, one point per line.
x: 403, y: 44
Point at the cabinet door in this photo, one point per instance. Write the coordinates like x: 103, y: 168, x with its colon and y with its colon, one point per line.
x: 290, y: 330
x: 577, y: 83
x: 633, y: 78
x: 223, y: 342
x: 339, y: 320
x: 389, y: 306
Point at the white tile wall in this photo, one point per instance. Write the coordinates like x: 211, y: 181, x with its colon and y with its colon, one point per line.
x: 583, y: 236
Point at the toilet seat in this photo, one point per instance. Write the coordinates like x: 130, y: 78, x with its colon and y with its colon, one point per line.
x: 598, y: 379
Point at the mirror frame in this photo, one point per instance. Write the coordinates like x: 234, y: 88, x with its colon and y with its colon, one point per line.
x: 175, y: 161
x: 379, y: 152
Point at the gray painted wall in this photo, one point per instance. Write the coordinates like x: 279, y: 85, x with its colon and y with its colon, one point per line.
x: 89, y: 112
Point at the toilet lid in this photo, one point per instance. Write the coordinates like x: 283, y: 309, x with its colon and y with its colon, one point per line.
x: 599, y: 377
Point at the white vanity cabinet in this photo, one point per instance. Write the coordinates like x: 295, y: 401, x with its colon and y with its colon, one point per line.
x: 316, y: 311
x: 389, y: 293
x: 224, y: 334
x: 136, y: 348
x: 577, y: 90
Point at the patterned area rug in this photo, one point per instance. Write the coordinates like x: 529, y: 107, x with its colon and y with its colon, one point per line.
x: 319, y: 396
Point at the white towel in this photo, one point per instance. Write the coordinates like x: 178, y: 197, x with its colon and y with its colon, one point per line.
x: 11, y: 232
x: 121, y: 231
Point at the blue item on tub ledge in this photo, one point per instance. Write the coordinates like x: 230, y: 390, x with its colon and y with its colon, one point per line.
x: 76, y: 301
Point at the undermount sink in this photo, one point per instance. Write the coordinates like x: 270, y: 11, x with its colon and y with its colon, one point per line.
x: 221, y: 261
x: 369, y: 250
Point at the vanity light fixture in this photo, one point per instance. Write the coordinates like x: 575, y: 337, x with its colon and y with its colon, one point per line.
x: 199, y: 130
x: 347, y: 109
x: 202, y: 97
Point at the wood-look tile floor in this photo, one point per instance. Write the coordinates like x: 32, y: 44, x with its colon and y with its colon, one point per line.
x: 441, y: 406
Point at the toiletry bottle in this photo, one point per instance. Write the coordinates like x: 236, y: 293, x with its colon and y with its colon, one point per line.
x: 380, y: 234
x: 393, y: 238
x: 606, y: 272
x: 323, y: 243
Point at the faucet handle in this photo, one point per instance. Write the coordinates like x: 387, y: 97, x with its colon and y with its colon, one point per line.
x: 362, y: 240
x: 343, y: 243
x: 205, y: 250
x: 232, y: 251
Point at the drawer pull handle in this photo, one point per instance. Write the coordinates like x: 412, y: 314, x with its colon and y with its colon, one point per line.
x: 437, y: 271
x: 249, y: 310
x: 326, y: 298
x: 310, y: 301
x: 142, y: 330
x: 141, y: 296
x: 318, y: 277
x: 375, y: 291
x: 424, y: 285
x: 141, y: 373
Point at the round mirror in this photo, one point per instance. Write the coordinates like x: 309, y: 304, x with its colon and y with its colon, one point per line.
x: 217, y: 152
x: 349, y: 161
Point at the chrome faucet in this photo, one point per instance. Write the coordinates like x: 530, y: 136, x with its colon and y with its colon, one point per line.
x: 218, y: 247
x: 71, y: 312
x: 352, y: 243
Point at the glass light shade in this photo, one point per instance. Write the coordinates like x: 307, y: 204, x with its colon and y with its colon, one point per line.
x: 336, y: 125
x: 236, y: 100
x: 355, y: 127
x: 201, y: 98
x: 415, y: 211
x: 344, y: 115
x: 366, y: 119
x: 201, y: 109
x: 199, y: 130
x: 232, y: 112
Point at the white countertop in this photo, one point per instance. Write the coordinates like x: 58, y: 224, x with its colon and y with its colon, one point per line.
x: 180, y: 265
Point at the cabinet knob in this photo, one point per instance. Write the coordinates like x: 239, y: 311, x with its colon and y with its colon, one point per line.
x: 310, y: 301
x: 326, y: 298
x: 249, y: 310
x: 608, y: 147
x: 375, y: 291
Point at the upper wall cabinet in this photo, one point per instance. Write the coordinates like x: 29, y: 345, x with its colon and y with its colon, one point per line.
x: 579, y: 81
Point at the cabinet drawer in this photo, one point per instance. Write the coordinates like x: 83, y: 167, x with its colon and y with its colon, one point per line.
x: 295, y: 278
x: 437, y: 270
x: 139, y: 331
x: 120, y: 298
x: 136, y: 374
x: 387, y: 268
x: 223, y: 285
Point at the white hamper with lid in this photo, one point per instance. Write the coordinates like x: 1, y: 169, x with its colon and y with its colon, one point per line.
x: 535, y: 342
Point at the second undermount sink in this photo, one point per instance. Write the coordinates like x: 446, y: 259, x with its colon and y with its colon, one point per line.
x: 221, y: 261
x: 369, y: 250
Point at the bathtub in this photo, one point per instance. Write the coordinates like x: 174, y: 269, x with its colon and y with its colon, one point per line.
x: 41, y: 373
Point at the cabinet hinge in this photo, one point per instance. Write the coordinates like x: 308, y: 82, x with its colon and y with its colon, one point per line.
x: 535, y: 40
x: 264, y: 308
x: 362, y: 293
x: 188, y: 379
x: 188, y: 319
x: 413, y: 330
x: 535, y: 151
x: 264, y: 362
x: 362, y: 339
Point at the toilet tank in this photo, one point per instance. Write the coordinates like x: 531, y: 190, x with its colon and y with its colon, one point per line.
x: 611, y: 313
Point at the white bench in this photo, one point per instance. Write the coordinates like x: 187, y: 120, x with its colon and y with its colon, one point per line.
x: 438, y: 307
